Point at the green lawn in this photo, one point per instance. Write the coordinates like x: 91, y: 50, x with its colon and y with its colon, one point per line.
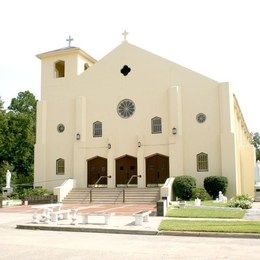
x: 228, y: 226
x: 204, y: 213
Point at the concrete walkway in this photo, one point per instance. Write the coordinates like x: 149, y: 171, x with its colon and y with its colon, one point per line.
x: 121, y: 222
x: 117, y: 224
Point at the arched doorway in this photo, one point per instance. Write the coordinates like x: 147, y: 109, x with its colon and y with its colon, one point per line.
x: 126, y: 166
x: 157, y: 169
x: 97, y: 167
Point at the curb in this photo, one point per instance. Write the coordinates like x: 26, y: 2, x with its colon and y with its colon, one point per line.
x: 139, y: 232
x: 90, y: 230
x: 208, y: 234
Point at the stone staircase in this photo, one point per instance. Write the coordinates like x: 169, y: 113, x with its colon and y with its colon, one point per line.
x: 113, y: 195
x: 142, y: 195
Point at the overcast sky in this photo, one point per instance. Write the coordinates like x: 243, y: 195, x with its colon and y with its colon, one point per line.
x: 217, y: 38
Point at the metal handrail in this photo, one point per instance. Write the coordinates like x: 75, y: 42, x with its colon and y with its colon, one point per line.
x: 133, y: 176
x: 94, y: 186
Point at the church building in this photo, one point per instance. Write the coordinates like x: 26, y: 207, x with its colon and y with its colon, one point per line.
x: 135, y: 115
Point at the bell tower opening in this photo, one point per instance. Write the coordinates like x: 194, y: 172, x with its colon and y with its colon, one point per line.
x: 59, y: 69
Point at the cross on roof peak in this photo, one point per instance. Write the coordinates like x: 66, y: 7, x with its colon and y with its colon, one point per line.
x: 69, y: 40
x: 125, y: 33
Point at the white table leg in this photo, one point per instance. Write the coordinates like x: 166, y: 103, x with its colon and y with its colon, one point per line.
x: 138, y: 220
x: 107, y: 217
x: 146, y: 218
x: 34, y: 218
x: 74, y: 217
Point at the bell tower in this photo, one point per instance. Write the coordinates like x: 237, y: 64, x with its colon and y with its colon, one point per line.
x: 62, y: 64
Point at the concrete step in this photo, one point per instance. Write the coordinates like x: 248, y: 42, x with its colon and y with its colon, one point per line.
x: 114, y: 195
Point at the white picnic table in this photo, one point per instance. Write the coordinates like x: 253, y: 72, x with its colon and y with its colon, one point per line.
x: 47, y: 209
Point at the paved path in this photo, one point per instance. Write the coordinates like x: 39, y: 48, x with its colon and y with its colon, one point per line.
x: 119, y: 209
x: 252, y: 214
x: 29, y: 244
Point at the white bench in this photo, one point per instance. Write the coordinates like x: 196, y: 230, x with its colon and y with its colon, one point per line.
x: 59, y: 214
x: 85, y: 216
x: 142, y: 216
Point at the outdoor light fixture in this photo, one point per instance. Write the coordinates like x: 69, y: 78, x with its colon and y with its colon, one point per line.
x: 174, y: 131
x: 139, y: 144
x: 78, y: 136
x: 109, y: 146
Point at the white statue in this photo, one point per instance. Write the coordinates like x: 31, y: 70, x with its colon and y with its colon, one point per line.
x: 257, y: 172
x: 8, y: 179
x: 221, y: 197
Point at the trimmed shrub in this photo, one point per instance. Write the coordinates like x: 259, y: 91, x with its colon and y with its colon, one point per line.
x: 183, y: 185
x: 241, y: 201
x: 215, y: 184
x: 200, y: 193
x: 34, y: 192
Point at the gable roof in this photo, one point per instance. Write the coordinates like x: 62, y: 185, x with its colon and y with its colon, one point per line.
x: 66, y: 50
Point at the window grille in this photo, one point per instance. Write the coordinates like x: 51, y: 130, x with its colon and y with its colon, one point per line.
x: 60, y: 166
x: 156, y: 125
x: 202, y: 162
x: 97, y: 129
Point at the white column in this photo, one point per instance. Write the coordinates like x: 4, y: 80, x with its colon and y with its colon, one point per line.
x: 227, y: 138
x: 40, y: 146
x: 175, y: 140
x: 79, y: 160
x: 111, y: 182
x: 141, y: 182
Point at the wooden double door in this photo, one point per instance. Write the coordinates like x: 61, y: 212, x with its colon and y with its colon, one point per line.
x: 126, y: 167
x: 97, y: 167
x: 157, y: 170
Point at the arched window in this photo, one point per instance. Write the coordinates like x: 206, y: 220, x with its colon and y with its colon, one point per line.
x: 60, y: 166
x: 60, y: 69
x: 86, y: 66
x: 156, y: 125
x: 97, y: 129
x: 202, y: 162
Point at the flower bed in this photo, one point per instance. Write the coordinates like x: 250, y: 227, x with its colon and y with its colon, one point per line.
x: 32, y: 200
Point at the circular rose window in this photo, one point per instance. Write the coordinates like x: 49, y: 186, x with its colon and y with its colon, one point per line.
x: 126, y: 108
x: 201, y: 118
x: 60, y: 128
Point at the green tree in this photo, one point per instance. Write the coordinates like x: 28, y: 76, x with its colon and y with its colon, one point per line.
x: 17, y: 136
x: 256, y: 143
x: 3, y: 131
x: 24, y: 103
x: 2, y: 110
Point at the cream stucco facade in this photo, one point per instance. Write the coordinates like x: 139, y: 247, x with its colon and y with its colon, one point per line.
x: 159, y: 88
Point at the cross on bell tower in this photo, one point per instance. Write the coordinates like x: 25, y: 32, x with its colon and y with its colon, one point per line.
x: 69, y: 40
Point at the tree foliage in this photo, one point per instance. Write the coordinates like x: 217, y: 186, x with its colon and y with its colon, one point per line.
x: 17, y: 137
x: 256, y: 143
x: 214, y: 184
x: 24, y: 103
x: 183, y: 186
x: 2, y: 110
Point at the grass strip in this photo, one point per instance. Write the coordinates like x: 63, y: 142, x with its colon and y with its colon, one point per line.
x: 204, y: 213
x: 211, y: 226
